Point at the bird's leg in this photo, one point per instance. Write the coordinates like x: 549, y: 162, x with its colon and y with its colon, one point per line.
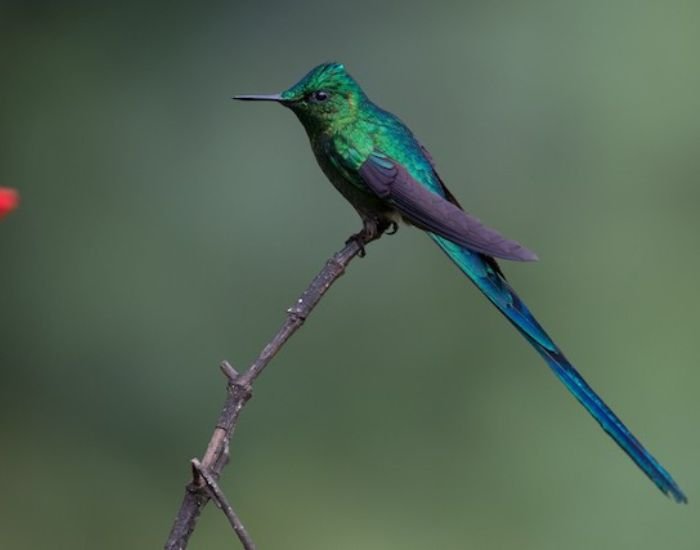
x: 370, y: 231
x: 372, y: 228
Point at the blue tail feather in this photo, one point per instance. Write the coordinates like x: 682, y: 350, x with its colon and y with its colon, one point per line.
x: 499, y: 292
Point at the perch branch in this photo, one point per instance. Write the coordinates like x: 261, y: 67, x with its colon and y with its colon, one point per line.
x: 204, y: 483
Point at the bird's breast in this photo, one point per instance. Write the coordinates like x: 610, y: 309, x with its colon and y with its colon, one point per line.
x: 347, y: 181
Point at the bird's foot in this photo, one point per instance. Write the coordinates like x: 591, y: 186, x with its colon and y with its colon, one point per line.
x: 361, y: 239
x: 391, y: 228
x: 372, y: 229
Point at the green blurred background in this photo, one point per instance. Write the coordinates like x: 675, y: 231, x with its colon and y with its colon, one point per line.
x: 164, y: 228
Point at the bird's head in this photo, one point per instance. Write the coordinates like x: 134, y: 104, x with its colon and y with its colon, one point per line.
x: 323, y: 99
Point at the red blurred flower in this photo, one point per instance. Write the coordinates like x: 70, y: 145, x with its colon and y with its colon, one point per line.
x: 9, y: 199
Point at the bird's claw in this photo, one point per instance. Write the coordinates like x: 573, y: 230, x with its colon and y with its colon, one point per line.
x: 370, y: 231
x: 392, y: 228
x: 361, y: 239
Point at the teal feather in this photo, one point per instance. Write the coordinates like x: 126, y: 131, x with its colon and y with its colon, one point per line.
x: 499, y: 292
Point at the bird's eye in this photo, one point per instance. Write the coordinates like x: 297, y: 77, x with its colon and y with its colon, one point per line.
x: 319, y: 96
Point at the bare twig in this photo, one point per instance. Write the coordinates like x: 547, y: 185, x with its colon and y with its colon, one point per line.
x: 206, y: 474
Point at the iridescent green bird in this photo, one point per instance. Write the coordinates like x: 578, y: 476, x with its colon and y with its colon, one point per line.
x: 380, y: 167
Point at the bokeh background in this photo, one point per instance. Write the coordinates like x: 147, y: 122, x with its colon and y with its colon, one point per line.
x: 164, y: 228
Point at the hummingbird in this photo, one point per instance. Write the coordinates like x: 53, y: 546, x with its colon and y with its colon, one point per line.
x: 374, y: 160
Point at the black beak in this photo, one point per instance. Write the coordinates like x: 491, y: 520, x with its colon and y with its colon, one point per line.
x: 272, y: 97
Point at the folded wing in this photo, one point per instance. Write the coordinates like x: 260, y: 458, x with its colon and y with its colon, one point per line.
x: 433, y: 212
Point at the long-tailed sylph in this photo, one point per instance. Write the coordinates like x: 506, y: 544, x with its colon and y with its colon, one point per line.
x: 380, y: 167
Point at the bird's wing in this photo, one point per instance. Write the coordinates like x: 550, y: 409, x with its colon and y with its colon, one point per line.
x: 390, y: 181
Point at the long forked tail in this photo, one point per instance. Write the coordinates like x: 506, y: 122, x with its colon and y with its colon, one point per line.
x: 499, y: 292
